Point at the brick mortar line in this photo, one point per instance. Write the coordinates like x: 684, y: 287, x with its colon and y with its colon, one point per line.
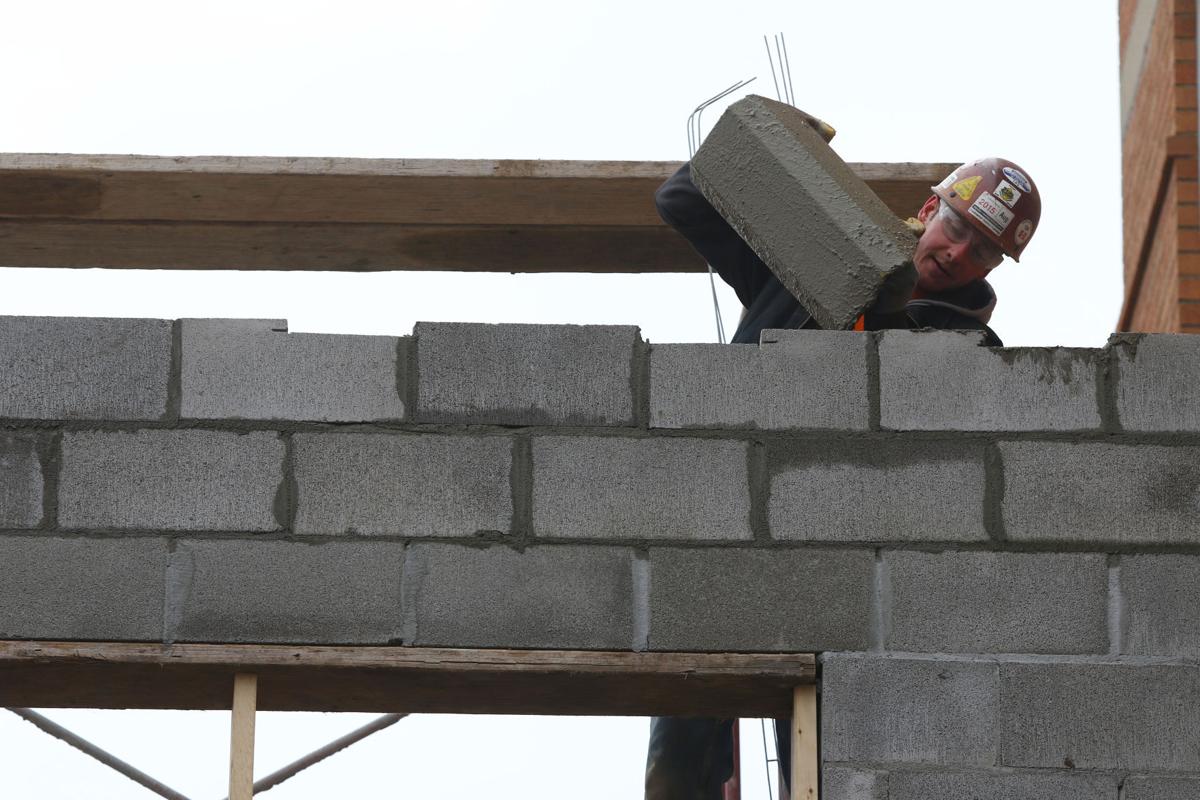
x: 49, y: 452
x: 1023, y: 659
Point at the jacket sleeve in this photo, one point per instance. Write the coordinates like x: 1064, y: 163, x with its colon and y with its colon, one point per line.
x: 681, y: 206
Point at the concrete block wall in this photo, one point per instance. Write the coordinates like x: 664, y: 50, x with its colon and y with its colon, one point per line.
x: 995, y: 551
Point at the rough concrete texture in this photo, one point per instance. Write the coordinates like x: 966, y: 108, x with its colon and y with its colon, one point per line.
x: 1094, y: 492
x: 1156, y: 383
x: 890, y: 709
x: 185, y: 480
x: 765, y: 600
x: 525, y: 374
x: 543, y: 597
x: 841, y: 782
x: 1001, y: 785
x: 254, y: 369
x: 1160, y: 605
x: 944, y: 380
x: 1104, y: 716
x: 847, y: 491
x: 75, y: 368
x: 402, y: 484
x: 20, y: 481
x: 620, y: 488
x: 816, y: 224
x: 997, y: 603
x: 59, y: 588
x: 794, y: 380
x: 1160, y: 787
x: 286, y: 592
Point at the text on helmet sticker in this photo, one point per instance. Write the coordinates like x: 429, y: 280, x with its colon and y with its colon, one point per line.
x: 988, y: 210
x: 1018, y: 178
x: 949, y: 179
x: 1008, y: 194
x: 966, y: 187
x: 1024, y: 231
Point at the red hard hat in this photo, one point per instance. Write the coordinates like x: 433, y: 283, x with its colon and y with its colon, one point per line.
x: 998, y: 198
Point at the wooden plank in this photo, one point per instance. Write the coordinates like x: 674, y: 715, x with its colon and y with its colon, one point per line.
x: 401, y: 679
x: 241, y: 737
x: 806, y: 763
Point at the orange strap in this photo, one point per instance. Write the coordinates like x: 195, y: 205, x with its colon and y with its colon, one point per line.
x: 861, y: 323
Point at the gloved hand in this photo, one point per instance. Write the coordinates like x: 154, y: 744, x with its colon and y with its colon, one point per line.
x: 896, y: 291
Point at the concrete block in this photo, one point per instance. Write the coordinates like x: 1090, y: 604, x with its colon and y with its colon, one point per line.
x: 841, y: 782
x: 255, y: 369
x: 285, y: 592
x: 1002, y: 784
x: 1156, y: 381
x: 91, y: 589
x: 84, y: 368
x: 619, y: 488
x: 997, y: 603
x: 944, y: 380
x: 526, y: 374
x: 544, y: 597
x: 20, y: 481
x: 1100, y: 716
x: 186, y: 480
x: 816, y: 224
x: 402, y: 485
x: 1160, y: 605
x: 1160, y: 787
x: 761, y: 600
x: 880, y: 491
x: 927, y: 712
x: 1096, y: 492
x: 793, y: 380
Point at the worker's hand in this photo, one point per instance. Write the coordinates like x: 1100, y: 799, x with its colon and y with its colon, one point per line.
x: 896, y: 291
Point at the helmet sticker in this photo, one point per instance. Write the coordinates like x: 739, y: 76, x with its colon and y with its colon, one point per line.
x: 966, y: 187
x: 1024, y: 231
x: 991, y: 213
x: 1007, y: 194
x: 949, y: 179
x: 1018, y: 178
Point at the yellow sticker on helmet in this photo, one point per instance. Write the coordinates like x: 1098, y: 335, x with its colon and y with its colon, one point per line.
x: 966, y: 187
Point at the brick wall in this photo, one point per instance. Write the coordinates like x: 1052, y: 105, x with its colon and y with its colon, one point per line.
x: 996, y: 551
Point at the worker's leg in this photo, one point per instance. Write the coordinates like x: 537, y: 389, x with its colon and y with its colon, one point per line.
x: 689, y: 758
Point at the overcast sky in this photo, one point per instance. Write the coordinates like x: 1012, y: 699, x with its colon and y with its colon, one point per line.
x: 938, y: 80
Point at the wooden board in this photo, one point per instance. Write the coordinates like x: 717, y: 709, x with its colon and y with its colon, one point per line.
x: 401, y: 679
x: 241, y: 736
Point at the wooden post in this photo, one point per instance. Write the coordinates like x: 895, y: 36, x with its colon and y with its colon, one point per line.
x: 806, y: 765
x: 241, y: 742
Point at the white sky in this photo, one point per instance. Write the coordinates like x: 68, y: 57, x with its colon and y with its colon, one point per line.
x: 939, y: 80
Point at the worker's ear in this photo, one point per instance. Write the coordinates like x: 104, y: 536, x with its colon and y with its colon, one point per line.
x: 929, y: 209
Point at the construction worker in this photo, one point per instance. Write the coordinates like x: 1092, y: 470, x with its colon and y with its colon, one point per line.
x: 981, y: 212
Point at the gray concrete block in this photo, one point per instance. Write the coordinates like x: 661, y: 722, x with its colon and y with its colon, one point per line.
x: 841, y: 782
x: 255, y: 369
x: 1097, y: 492
x: 1002, y: 785
x: 1160, y: 787
x: 285, y: 592
x: 944, y: 380
x: 816, y: 224
x: 927, y: 712
x: 84, y: 368
x: 20, y: 481
x: 1100, y: 716
x: 619, y: 488
x: 1156, y: 381
x: 1160, y: 605
x: 880, y: 491
x: 170, y: 480
x: 793, y: 380
x: 764, y: 600
x: 996, y: 603
x: 402, y: 484
x: 88, y: 589
x: 544, y: 597
x: 525, y: 374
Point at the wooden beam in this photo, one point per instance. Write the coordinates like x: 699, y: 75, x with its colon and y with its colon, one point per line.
x: 401, y: 679
x: 357, y: 214
x: 806, y: 762
x: 241, y: 736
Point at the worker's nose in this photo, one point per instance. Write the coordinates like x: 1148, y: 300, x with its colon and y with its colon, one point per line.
x: 957, y: 252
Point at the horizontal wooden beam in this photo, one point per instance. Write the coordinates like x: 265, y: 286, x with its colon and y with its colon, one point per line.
x: 357, y: 214
x: 401, y: 679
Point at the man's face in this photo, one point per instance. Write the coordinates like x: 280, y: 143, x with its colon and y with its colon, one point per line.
x: 951, y: 253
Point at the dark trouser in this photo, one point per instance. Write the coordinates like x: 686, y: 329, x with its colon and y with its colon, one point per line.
x: 689, y: 758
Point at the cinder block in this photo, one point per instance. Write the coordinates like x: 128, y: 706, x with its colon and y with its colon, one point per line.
x: 1160, y: 605
x: 766, y: 600
x: 84, y: 368
x: 1100, y: 716
x: 997, y: 603
x: 90, y: 589
x: 1002, y: 785
x: 845, y: 491
x: 945, y: 380
x: 926, y: 712
x: 402, y: 484
x: 793, y: 380
x: 255, y: 369
x: 816, y: 224
x: 1097, y: 492
x: 525, y: 374
x: 170, y: 480
x: 544, y: 597
x: 620, y: 488
x: 20, y: 481
x: 1160, y: 787
x: 841, y: 782
x: 1157, y: 378
x: 292, y: 592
